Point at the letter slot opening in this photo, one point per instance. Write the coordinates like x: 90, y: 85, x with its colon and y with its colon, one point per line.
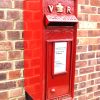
x: 60, y: 20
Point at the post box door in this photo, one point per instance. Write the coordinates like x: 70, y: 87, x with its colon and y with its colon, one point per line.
x: 58, y: 68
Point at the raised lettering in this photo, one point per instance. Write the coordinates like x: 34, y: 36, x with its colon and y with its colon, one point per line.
x: 69, y: 10
x: 50, y: 8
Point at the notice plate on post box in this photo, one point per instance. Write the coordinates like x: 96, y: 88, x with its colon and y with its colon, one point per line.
x: 60, y: 53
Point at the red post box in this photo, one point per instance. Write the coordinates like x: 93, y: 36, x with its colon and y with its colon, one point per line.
x: 50, y: 48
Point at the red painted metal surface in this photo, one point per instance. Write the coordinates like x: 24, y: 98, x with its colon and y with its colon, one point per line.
x: 60, y: 28
x: 60, y: 82
x: 65, y: 4
x: 39, y: 50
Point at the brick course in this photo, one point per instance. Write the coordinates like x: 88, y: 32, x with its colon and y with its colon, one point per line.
x: 11, y: 46
x: 88, y: 51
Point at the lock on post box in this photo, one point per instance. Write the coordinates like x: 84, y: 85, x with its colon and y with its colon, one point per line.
x: 60, y: 42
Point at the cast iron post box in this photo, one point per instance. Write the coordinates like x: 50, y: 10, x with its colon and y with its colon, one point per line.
x: 60, y: 43
x: 55, y: 52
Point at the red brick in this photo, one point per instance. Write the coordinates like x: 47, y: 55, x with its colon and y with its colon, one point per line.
x: 82, y: 98
x: 83, y: 41
x: 76, y: 72
x: 14, y: 74
x: 37, y: 15
x: 97, y: 93
x: 80, y: 92
x: 14, y: 15
x: 83, y: 17
x: 14, y: 55
x: 95, y: 2
x: 33, y: 5
x: 80, y: 79
x: 80, y: 64
x: 3, y: 55
x: 36, y: 80
x: 98, y: 87
x: 93, y: 47
x: 18, y: 4
x: 92, y: 76
x: 96, y: 98
x: 77, y: 57
x: 88, y: 41
x: 92, y: 62
x: 75, y: 98
x: 3, y: 95
x: 3, y: 76
x: 5, y: 66
x: 13, y: 35
x: 19, y: 25
x: 11, y: 73
x: 82, y: 33
x: 91, y: 39
x: 22, y: 35
x: 98, y: 25
x: 90, y: 89
x: 98, y: 61
x: 34, y: 25
x: 82, y: 85
x: 86, y: 70
x: 20, y: 83
x: 89, y: 96
x: 6, y: 4
x: 98, y: 54
x: 28, y: 37
x: 76, y: 86
x: 6, y: 25
x: 87, y: 56
x: 98, y: 10
x: 19, y: 45
x: 19, y: 64
x: 77, y: 41
x: 95, y: 18
x: 98, y: 68
x: 7, y: 85
x: 1, y: 14
x: 16, y: 92
x: 93, y: 33
x: 87, y: 2
x: 29, y: 15
x: 97, y: 81
x: 98, y: 40
x: 90, y: 83
x: 88, y: 9
x: 5, y: 46
x: 83, y: 2
x: 2, y: 36
x: 81, y: 48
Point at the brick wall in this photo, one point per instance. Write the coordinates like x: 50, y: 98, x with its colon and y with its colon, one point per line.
x: 11, y: 50
x: 87, y: 86
x: 87, y: 82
